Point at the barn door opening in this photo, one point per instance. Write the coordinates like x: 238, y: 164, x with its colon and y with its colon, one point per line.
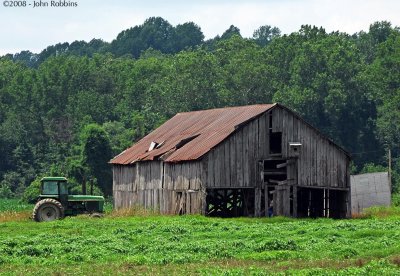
x: 316, y: 202
x: 277, y: 191
x: 230, y: 202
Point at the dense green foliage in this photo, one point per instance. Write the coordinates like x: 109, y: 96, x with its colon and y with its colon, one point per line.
x: 345, y: 85
x: 196, y: 244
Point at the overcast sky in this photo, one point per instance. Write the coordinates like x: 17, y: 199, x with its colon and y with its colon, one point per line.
x: 36, y: 28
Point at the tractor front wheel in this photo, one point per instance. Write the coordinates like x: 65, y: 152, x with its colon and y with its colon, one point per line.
x: 47, y: 210
x: 96, y: 215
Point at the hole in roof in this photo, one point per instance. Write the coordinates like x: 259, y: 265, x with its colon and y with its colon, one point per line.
x: 159, y: 145
x: 152, y: 146
x: 155, y: 145
x: 185, y: 141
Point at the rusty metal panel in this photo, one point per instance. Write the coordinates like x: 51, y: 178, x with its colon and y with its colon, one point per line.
x: 200, y: 130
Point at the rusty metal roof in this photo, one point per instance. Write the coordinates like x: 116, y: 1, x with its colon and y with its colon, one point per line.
x: 190, y: 135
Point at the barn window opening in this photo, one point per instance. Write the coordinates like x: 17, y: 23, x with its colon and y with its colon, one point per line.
x: 185, y: 141
x: 274, y: 171
x: 270, y: 122
x: 275, y: 143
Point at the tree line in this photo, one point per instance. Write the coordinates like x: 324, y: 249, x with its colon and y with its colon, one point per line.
x: 72, y: 107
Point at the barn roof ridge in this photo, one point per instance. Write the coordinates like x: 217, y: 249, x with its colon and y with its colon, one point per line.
x: 228, y: 107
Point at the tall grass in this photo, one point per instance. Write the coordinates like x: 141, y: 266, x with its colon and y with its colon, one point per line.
x: 136, y: 211
x: 382, y: 212
x: 14, y: 210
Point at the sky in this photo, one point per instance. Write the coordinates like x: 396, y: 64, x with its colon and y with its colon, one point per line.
x: 28, y: 28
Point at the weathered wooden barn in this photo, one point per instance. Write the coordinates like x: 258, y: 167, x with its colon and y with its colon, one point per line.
x: 236, y: 161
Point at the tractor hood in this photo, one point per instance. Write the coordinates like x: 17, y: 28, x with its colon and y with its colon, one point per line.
x: 85, y: 198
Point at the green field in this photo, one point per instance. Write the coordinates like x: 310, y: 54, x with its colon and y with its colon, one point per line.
x: 151, y: 244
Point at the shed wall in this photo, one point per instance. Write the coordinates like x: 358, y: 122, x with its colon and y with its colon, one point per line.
x: 370, y: 189
x: 167, y: 188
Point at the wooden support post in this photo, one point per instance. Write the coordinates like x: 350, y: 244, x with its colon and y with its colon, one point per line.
x: 275, y: 204
x: 266, y: 200
x: 257, y: 202
x: 295, y: 201
x: 390, y: 169
x: 348, y: 204
x: 286, y: 201
x: 295, y: 183
x: 309, y: 203
x: 328, y: 205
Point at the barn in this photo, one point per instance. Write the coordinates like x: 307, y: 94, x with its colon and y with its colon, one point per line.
x: 256, y: 160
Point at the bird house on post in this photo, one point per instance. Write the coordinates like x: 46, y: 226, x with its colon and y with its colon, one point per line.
x: 294, y: 149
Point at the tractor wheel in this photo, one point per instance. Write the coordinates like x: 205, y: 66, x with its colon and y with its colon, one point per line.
x: 47, y: 210
x: 96, y: 215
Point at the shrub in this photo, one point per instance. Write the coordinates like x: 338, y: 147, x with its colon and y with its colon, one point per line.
x: 277, y: 244
x: 396, y: 200
x: 32, y: 192
x: 5, y: 191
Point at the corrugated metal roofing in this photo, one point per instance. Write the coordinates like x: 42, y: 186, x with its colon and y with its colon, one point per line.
x: 201, y: 130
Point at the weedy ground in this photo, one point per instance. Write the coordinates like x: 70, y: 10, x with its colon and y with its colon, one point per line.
x: 138, y: 242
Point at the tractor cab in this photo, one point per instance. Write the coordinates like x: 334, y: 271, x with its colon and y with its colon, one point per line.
x: 53, y: 187
x: 55, y: 201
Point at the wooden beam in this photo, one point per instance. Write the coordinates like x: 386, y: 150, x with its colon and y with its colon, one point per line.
x: 280, y: 166
x: 279, y: 182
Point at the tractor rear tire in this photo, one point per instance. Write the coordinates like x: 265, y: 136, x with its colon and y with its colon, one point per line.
x: 48, y: 209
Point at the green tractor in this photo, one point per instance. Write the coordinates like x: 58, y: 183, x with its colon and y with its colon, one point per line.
x: 55, y: 201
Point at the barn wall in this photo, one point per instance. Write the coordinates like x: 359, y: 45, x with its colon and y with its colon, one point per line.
x: 233, y: 163
x: 321, y: 163
x: 168, y: 188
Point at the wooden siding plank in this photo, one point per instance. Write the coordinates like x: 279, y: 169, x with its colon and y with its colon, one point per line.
x: 284, y: 123
x: 226, y: 165
x: 246, y: 132
x: 234, y: 160
x: 239, y: 158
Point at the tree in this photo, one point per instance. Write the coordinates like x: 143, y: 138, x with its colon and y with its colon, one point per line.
x: 244, y: 76
x: 156, y: 33
x: 120, y: 137
x: 368, y: 42
x: 96, y: 153
x: 231, y: 31
x: 265, y: 34
x: 187, y: 35
x: 27, y: 57
x: 382, y: 80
